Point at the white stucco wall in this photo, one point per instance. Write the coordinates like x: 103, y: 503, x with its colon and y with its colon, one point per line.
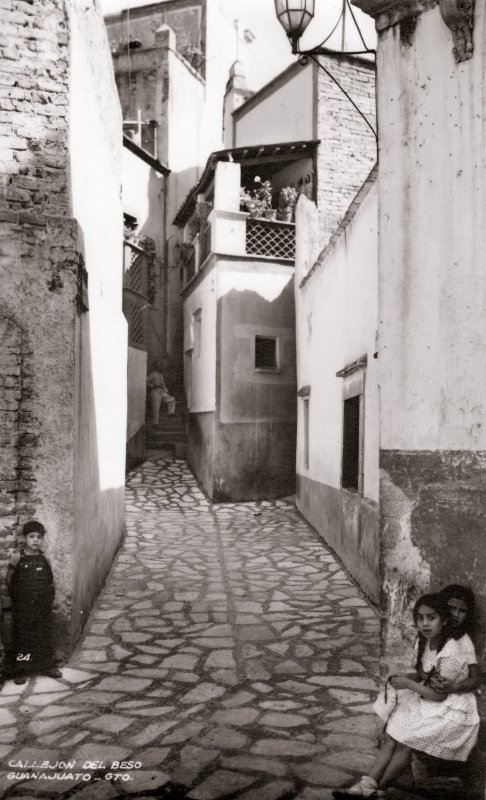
x: 95, y: 160
x: 200, y: 381
x: 222, y: 52
x: 336, y: 313
x: 284, y: 113
x: 433, y: 239
x: 137, y: 380
x: 143, y: 197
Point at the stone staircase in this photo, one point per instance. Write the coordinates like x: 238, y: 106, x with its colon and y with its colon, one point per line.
x: 170, y: 433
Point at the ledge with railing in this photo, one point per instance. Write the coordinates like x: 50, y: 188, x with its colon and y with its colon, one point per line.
x: 235, y: 233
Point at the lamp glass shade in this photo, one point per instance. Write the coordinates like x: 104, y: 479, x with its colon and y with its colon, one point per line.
x: 294, y: 16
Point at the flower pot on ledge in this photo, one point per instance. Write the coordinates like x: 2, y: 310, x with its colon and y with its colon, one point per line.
x: 270, y: 213
x: 285, y: 214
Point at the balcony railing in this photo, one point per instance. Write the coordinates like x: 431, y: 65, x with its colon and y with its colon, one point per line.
x: 205, y: 244
x: 232, y: 233
x: 270, y: 239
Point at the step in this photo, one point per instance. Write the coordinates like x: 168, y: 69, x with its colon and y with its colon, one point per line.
x: 165, y: 438
x: 167, y: 429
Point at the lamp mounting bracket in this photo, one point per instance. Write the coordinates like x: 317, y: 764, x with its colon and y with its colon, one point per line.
x: 458, y: 15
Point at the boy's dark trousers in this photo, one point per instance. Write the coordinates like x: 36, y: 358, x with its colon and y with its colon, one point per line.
x: 32, y: 593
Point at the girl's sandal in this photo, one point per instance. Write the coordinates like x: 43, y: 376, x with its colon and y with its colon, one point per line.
x: 358, y: 790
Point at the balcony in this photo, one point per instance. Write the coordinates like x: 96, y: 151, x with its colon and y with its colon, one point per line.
x: 234, y: 233
x: 135, y: 290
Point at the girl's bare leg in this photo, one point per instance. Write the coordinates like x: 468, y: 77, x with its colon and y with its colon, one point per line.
x: 383, y: 759
x: 399, y: 760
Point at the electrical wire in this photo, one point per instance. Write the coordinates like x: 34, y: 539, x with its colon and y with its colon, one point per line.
x: 335, y: 27
x: 129, y: 65
x: 357, y: 27
x: 331, y: 76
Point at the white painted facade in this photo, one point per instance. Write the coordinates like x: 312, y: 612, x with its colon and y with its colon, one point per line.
x: 200, y: 309
x: 433, y: 240
x: 282, y: 112
x: 143, y: 197
x: 95, y: 148
x: 337, y: 318
x: 95, y: 161
x: 136, y: 379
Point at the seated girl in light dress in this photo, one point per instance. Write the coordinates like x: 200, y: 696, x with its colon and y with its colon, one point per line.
x: 442, y: 725
x: 461, y: 604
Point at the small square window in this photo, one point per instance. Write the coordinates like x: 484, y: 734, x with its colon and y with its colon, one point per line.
x: 351, y: 443
x: 265, y: 352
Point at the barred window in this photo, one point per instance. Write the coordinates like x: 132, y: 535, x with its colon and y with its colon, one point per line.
x: 266, y: 356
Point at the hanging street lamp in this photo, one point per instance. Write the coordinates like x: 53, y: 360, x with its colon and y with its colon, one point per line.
x: 295, y: 16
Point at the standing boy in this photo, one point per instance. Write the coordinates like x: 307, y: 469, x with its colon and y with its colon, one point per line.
x: 31, y: 588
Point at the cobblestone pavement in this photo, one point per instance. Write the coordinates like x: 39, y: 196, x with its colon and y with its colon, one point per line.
x: 229, y: 654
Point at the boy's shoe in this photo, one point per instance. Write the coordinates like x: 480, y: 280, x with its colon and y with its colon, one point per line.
x: 20, y: 679
x: 53, y: 672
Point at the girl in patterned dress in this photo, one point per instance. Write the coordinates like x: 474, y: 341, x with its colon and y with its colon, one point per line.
x: 442, y: 725
x: 461, y: 603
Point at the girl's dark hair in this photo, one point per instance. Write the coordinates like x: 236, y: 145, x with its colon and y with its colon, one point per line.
x: 439, y: 604
x: 464, y: 593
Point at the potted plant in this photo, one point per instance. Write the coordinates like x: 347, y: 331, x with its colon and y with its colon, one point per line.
x: 286, y: 203
x: 258, y: 200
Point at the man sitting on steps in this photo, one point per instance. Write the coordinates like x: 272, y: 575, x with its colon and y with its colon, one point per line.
x: 158, y: 392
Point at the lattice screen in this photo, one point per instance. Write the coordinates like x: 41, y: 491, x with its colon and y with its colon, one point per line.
x: 136, y: 328
x: 136, y: 271
x: 265, y: 238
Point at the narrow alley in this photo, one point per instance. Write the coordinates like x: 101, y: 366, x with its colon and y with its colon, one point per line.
x: 229, y: 656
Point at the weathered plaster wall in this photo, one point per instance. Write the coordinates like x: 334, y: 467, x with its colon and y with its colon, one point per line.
x: 100, y: 428
x: 254, y: 452
x: 432, y: 336
x: 201, y: 448
x: 222, y: 52
x: 162, y: 84
x: 337, y: 319
x: 38, y: 272
x: 348, y: 147
x: 137, y: 392
x: 70, y: 370
x: 200, y: 374
x: 185, y: 17
x: 143, y: 196
x: 200, y: 344
x: 38, y: 346
x: 288, y: 97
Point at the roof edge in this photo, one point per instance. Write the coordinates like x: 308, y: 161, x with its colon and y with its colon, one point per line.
x: 348, y: 217
x: 145, y: 155
x: 268, y: 88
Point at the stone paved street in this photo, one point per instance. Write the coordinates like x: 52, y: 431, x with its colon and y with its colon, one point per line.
x: 229, y: 654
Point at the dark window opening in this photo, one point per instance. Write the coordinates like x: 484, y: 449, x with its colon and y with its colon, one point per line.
x: 306, y: 433
x: 265, y: 353
x: 351, y: 442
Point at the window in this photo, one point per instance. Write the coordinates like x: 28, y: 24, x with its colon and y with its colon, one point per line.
x: 197, y: 327
x: 306, y: 432
x: 351, y: 443
x: 266, y: 354
x: 353, y: 424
